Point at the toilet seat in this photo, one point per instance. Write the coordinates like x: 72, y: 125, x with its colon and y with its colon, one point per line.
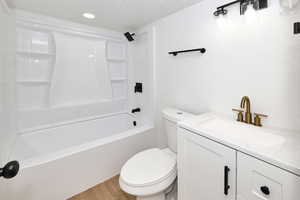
x: 148, y: 172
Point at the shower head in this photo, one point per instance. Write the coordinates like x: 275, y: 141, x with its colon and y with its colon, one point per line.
x: 129, y: 36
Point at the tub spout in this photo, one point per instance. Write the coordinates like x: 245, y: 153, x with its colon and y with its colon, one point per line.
x: 135, y: 110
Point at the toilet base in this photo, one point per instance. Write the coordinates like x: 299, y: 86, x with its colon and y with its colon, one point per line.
x: 159, y: 196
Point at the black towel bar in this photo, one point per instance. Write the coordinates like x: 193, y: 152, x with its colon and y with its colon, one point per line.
x: 201, y: 50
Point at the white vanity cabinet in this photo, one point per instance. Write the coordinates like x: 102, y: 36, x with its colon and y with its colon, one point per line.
x: 202, y: 165
x: 206, y: 170
x: 258, y: 180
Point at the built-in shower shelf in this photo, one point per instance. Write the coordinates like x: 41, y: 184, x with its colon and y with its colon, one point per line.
x: 33, y: 82
x: 116, y: 59
x: 120, y: 99
x: 33, y: 109
x: 35, y: 59
x: 119, y: 79
x: 117, y: 63
x: 34, y: 54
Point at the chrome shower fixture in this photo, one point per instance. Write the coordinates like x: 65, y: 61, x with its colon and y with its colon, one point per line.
x: 129, y: 36
x: 257, y: 5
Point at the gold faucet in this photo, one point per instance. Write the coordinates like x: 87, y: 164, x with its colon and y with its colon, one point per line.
x: 248, y: 116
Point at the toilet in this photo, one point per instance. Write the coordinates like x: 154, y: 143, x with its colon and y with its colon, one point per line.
x: 151, y: 174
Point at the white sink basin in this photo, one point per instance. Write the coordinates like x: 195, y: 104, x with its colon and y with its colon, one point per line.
x: 238, y: 131
x: 281, y: 148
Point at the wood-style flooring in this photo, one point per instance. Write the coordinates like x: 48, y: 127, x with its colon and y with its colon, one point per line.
x: 109, y: 190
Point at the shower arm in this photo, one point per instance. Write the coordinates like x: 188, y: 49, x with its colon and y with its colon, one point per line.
x: 228, y: 4
x: 241, y: 2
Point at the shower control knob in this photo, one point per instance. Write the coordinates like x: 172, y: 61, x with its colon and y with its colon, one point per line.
x: 265, y: 190
x: 10, y: 170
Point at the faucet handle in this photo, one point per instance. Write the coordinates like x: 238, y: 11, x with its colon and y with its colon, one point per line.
x: 257, y: 119
x: 240, y: 117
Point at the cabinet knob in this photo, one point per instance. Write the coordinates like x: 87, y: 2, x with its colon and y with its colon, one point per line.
x: 265, y: 190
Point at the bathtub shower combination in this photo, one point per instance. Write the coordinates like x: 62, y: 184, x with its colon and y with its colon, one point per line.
x: 76, y: 156
x: 74, y: 94
x: 54, y: 143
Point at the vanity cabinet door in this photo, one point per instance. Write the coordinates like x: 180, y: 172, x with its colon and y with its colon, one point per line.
x: 206, y: 169
x: 257, y: 180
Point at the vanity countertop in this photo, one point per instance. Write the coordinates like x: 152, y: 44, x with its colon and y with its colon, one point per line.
x: 277, y: 147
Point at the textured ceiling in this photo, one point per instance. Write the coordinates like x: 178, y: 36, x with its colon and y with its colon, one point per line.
x: 118, y: 15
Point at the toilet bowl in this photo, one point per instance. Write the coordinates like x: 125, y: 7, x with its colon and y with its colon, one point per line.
x: 150, y: 174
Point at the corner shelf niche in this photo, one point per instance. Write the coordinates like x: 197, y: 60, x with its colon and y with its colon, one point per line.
x: 119, y: 79
x: 116, y: 59
x: 117, y: 63
x: 34, y: 54
x: 34, y: 82
x: 35, y: 58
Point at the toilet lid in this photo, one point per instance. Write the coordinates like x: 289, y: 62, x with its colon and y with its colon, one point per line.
x: 148, y: 167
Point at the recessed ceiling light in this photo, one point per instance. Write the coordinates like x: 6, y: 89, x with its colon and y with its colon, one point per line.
x: 88, y: 15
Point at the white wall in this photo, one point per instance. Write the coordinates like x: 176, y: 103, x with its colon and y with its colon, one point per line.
x: 141, y: 70
x: 255, y: 55
x: 7, y: 95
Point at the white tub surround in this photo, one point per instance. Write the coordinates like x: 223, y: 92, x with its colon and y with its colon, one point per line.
x: 62, y: 161
x: 72, y: 108
x: 67, y: 71
x: 91, y: 69
x: 7, y: 83
x: 277, y: 147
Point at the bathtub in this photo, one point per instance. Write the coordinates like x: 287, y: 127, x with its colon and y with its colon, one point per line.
x: 63, y: 160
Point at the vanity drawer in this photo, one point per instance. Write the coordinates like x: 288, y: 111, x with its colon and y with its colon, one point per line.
x: 258, y: 180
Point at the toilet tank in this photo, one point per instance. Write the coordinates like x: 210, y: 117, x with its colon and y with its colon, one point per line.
x: 171, y: 116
